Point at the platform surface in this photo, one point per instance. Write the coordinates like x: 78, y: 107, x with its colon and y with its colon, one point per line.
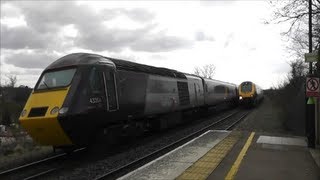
x: 270, y: 157
x: 172, y: 164
x: 240, y: 155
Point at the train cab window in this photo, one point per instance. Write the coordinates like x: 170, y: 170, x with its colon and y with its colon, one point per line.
x: 111, y: 89
x: 56, y: 79
x: 96, y: 82
x: 246, y: 87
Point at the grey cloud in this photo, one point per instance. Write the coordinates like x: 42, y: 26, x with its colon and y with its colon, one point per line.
x: 46, y: 16
x: 36, y: 59
x: 101, y: 38
x: 138, y: 40
x: 201, y: 36
x: 44, y: 20
x: 160, y: 43
x: 139, y: 15
x: 23, y: 37
x: 9, y: 11
x: 27, y: 72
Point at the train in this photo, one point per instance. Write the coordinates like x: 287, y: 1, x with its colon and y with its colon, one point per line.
x: 250, y: 94
x: 82, y: 96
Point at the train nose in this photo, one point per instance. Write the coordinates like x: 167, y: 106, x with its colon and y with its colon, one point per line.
x: 45, y: 129
x: 40, y: 118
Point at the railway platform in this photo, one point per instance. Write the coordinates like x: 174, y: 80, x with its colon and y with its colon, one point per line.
x: 235, y: 155
x: 269, y: 156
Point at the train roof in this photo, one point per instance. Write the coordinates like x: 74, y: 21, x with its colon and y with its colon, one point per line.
x: 76, y: 59
x: 247, y: 82
x: 250, y: 82
x: 131, y: 66
x: 222, y: 82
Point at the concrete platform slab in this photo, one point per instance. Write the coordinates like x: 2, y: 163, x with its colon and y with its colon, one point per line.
x: 295, y: 141
x: 316, y: 155
x: 270, y: 157
x: 172, y: 164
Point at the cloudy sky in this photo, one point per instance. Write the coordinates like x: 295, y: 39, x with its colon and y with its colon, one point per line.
x: 178, y: 35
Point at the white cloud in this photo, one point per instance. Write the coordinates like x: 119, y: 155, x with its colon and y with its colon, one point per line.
x: 69, y: 31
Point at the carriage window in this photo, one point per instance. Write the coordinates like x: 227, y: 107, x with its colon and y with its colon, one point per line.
x: 55, y: 79
x: 219, y: 89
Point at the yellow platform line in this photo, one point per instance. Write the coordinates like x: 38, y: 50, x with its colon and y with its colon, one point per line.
x: 207, y: 163
x: 235, y: 167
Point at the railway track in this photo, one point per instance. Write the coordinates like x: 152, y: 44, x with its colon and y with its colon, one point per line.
x: 53, y: 164
x: 30, y: 172
x: 137, y: 163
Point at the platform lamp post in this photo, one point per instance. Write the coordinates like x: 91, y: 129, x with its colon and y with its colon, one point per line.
x: 310, y: 106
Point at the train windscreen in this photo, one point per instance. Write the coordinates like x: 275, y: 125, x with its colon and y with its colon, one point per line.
x: 246, y: 87
x: 55, y: 79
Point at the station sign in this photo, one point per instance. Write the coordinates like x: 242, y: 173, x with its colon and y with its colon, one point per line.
x: 312, y: 87
x: 312, y: 57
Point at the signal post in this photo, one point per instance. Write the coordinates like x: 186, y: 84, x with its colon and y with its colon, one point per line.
x: 313, y: 104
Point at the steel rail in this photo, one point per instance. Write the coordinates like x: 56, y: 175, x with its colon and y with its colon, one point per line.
x: 41, y: 174
x: 165, y: 149
x: 19, y: 168
x: 238, y: 120
x: 36, y: 163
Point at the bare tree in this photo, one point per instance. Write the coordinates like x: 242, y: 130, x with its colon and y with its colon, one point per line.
x: 296, y: 13
x: 12, y: 80
x: 206, y: 71
x: 197, y: 71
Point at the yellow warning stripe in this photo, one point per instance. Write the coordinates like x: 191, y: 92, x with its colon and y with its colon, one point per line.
x: 207, y: 163
x: 235, y: 167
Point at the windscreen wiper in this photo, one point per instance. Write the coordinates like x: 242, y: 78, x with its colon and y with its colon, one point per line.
x: 46, y: 85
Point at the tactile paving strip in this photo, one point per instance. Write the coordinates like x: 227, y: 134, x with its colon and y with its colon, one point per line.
x: 207, y: 163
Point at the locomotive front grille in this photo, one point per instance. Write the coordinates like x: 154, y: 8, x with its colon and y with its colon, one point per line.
x: 36, y: 112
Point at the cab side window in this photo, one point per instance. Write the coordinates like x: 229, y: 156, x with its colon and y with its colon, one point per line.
x: 96, y: 86
x: 111, y: 89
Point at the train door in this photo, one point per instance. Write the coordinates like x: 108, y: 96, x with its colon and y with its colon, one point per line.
x: 226, y: 94
x: 110, y: 88
x: 195, y: 94
x: 95, y: 90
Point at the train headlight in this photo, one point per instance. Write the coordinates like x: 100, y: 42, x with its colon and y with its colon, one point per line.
x: 23, y: 113
x: 63, y: 110
x: 240, y: 97
x: 55, y: 110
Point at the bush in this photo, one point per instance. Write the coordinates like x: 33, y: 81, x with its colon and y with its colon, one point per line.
x: 289, y: 96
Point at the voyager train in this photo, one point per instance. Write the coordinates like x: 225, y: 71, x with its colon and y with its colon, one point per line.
x: 80, y: 96
x: 250, y: 94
